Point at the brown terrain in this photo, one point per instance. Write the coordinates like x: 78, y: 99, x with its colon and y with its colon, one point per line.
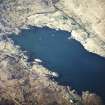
x: 22, y: 83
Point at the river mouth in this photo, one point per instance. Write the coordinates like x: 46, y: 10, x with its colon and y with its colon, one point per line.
x: 77, y: 67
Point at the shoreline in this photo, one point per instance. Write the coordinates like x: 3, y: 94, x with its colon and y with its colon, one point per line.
x: 19, y: 82
x: 36, y: 73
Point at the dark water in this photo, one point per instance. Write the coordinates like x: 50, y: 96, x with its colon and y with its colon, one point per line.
x: 77, y: 67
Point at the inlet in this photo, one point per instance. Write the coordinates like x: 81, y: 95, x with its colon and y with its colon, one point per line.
x: 77, y: 67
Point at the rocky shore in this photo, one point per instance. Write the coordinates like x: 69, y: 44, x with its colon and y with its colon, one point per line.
x: 25, y: 83
x: 84, y: 19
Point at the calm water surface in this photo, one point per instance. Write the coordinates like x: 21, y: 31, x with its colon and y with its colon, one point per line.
x: 77, y: 67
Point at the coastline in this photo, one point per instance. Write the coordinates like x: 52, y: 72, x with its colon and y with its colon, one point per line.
x: 17, y: 77
x: 36, y: 75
